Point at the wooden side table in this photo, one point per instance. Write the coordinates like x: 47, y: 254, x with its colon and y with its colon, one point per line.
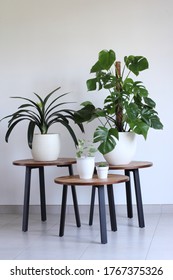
x: 133, y: 167
x: 99, y: 184
x: 32, y: 164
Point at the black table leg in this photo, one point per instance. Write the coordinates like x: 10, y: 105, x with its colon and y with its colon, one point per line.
x: 63, y: 210
x: 129, y: 196
x: 102, y: 214
x: 138, y: 198
x: 42, y: 194
x: 26, y: 199
x: 92, y: 205
x: 75, y: 202
x: 112, y: 207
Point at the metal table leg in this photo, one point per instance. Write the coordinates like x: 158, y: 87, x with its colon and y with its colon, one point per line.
x: 42, y: 194
x: 129, y: 196
x: 92, y: 206
x: 138, y: 198
x: 102, y: 214
x: 112, y: 207
x: 75, y: 202
x: 26, y: 198
x: 63, y: 210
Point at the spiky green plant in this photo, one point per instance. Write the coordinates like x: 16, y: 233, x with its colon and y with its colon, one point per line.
x: 42, y: 113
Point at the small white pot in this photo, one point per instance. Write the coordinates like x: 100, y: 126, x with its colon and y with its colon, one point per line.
x: 85, y: 167
x: 46, y: 147
x: 102, y: 172
x: 124, y: 150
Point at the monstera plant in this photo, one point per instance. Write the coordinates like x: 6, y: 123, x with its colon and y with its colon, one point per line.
x: 127, y: 106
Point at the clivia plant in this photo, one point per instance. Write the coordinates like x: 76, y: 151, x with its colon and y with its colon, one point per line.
x: 42, y: 113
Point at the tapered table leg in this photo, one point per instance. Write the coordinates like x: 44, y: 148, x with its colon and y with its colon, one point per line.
x: 92, y: 205
x: 26, y: 199
x: 129, y: 196
x: 75, y: 202
x: 112, y: 207
x: 139, y: 198
x: 63, y: 210
x: 102, y: 214
x: 42, y: 194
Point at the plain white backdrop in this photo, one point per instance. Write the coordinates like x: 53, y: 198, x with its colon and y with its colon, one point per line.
x: 50, y: 43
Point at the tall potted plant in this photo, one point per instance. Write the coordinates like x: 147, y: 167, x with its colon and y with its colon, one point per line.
x: 42, y: 114
x: 127, y: 107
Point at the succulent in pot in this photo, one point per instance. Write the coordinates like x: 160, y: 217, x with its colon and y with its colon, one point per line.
x: 127, y: 107
x: 42, y: 114
x: 102, y: 169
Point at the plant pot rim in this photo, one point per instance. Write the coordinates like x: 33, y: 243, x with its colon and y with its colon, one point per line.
x: 84, y: 157
x: 102, y: 167
x: 45, y: 134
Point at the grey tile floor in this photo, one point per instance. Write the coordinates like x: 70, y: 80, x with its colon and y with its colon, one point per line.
x: 41, y: 242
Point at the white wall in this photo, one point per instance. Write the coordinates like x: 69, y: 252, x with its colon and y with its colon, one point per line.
x: 47, y: 43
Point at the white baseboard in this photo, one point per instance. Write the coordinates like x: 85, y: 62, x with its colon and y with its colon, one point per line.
x: 84, y: 209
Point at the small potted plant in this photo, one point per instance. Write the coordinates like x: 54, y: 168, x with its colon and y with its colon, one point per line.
x: 85, y: 155
x: 42, y: 114
x: 102, y: 170
x: 127, y: 109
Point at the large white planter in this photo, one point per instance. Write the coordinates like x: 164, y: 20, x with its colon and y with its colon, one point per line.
x: 85, y: 167
x: 124, y: 150
x: 46, y: 147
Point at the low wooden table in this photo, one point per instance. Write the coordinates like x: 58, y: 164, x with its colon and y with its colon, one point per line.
x: 32, y: 164
x: 133, y: 167
x: 99, y: 184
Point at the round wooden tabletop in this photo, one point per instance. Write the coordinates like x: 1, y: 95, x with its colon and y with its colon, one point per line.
x: 34, y: 163
x: 95, y: 181
x: 131, y: 165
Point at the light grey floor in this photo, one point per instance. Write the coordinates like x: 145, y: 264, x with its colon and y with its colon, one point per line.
x: 128, y: 243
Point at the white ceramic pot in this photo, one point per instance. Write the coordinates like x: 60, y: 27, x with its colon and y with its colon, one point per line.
x: 102, y: 172
x: 124, y: 150
x: 46, y: 147
x: 85, y: 167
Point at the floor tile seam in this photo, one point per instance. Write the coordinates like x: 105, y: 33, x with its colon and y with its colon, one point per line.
x: 23, y: 250
x: 158, y: 221
x: 87, y: 247
x: 96, y: 237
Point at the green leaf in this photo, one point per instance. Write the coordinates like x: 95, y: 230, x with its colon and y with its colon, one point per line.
x: 132, y: 111
x: 96, y: 67
x: 149, y: 102
x: 106, y: 58
x: 85, y: 103
x: 91, y: 84
x: 141, y: 128
x: 30, y: 133
x: 142, y: 91
x: 85, y: 114
x: 70, y: 130
x: 106, y: 137
x: 136, y: 64
x: 49, y: 95
x: 128, y: 84
x: 156, y: 123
